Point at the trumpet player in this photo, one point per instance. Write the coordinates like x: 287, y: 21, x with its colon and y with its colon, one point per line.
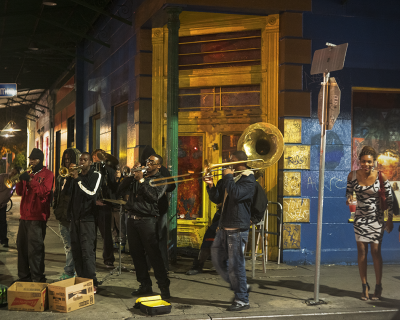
x: 62, y: 196
x: 81, y: 213
x: 34, y: 188
x: 5, y: 195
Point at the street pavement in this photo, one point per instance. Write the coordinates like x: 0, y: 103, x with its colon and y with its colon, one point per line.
x: 280, y: 293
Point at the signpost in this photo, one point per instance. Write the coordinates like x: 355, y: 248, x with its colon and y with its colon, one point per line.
x: 8, y: 89
x: 325, y: 61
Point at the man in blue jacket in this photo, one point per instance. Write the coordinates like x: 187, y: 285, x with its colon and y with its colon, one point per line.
x: 227, y: 252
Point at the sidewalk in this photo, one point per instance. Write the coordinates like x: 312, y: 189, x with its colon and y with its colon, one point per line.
x: 280, y: 293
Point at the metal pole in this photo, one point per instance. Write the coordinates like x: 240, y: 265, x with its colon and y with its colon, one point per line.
x: 321, y: 186
x: 121, y: 211
x: 172, y: 120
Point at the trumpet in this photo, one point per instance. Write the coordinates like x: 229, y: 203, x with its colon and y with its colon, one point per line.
x: 15, y: 179
x: 64, y: 172
x: 144, y: 170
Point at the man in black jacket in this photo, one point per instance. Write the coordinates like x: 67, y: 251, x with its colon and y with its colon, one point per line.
x: 143, y: 212
x: 81, y: 212
x: 227, y: 252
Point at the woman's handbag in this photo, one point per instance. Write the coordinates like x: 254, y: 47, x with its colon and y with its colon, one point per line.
x: 382, y: 196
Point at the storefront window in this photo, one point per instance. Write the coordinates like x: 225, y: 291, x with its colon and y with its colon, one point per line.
x: 376, y: 118
x: 95, y: 132
x: 190, y: 193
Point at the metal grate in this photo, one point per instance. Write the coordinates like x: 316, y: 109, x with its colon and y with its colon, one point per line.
x: 220, y: 98
x: 220, y: 50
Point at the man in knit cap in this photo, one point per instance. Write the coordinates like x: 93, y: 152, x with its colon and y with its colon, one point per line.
x: 34, y: 188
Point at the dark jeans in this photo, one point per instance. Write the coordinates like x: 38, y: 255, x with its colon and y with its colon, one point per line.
x: 3, y: 225
x: 30, y: 246
x: 142, y: 239
x: 65, y: 232
x: 83, y: 247
x: 163, y: 238
x: 227, y: 254
x: 103, y: 220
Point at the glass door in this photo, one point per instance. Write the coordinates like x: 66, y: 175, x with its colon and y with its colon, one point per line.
x: 190, y: 193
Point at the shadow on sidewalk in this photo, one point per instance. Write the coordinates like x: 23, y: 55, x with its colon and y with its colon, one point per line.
x: 332, y: 291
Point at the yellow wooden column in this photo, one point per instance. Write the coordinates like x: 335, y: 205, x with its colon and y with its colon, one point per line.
x: 158, y: 90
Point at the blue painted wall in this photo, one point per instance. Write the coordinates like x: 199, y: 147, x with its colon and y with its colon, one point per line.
x: 111, y: 79
x: 372, y: 30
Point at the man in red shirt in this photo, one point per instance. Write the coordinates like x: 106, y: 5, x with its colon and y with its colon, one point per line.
x: 34, y: 189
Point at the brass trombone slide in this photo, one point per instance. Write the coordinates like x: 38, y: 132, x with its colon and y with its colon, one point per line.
x: 208, y: 171
x: 188, y: 174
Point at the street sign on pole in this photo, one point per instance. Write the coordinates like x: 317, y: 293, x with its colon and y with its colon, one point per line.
x: 325, y: 61
x: 8, y: 89
x: 333, y: 108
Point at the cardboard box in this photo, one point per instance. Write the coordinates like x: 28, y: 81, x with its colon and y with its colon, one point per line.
x: 27, y: 296
x: 71, y: 294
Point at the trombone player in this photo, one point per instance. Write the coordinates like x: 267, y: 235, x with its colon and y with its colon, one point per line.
x: 62, y: 196
x: 5, y: 195
x: 35, y: 189
x: 227, y: 252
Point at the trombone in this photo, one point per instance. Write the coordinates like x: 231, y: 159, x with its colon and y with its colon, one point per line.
x: 15, y: 179
x: 206, y: 173
x: 64, y: 171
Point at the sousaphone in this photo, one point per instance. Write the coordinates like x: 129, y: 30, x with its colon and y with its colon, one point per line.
x: 264, y: 141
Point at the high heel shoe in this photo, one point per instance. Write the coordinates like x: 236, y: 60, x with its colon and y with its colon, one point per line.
x: 365, y: 287
x: 378, y: 292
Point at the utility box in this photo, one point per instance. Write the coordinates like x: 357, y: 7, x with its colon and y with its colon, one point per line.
x: 27, y: 296
x: 71, y: 294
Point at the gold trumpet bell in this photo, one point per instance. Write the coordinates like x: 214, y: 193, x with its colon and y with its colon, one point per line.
x: 264, y: 141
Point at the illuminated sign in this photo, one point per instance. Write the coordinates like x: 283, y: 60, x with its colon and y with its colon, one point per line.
x: 8, y: 89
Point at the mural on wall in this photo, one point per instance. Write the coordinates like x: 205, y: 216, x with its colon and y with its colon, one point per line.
x: 296, y: 210
x: 292, y: 183
x: 380, y: 129
x: 297, y: 157
x: 190, y: 193
x: 292, y: 131
x: 291, y: 236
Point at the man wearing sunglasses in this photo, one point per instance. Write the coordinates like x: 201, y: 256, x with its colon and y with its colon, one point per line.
x: 143, y: 212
